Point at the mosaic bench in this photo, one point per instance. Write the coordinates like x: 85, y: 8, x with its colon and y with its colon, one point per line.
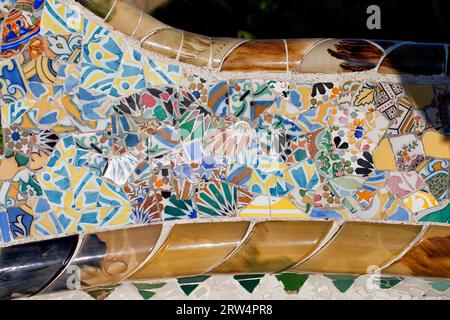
x: 133, y: 150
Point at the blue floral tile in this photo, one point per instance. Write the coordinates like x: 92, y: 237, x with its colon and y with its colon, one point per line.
x: 12, y: 81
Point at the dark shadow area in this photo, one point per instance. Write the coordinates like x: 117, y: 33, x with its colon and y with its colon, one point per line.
x: 422, y: 21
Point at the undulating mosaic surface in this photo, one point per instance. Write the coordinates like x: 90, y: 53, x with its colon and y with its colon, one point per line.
x: 110, y: 142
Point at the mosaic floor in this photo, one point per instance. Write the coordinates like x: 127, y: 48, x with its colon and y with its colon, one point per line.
x: 278, y: 287
x: 110, y: 121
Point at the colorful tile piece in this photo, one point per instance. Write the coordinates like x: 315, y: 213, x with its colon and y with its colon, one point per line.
x: 197, y: 86
x: 435, y: 172
x: 217, y: 198
x: 130, y: 75
x: 158, y: 73
x: 12, y: 81
x: 65, y: 47
x: 364, y: 196
x: 386, y: 99
x: 58, y: 19
x: 240, y: 99
x: 420, y: 201
x: 218, y: 98
x: 403, y: 184
x: 172, y: 208
x: 19, y: 26
x: 408, y: 151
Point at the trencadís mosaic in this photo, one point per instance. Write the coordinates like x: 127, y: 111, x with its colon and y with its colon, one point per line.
x: 99, y: 134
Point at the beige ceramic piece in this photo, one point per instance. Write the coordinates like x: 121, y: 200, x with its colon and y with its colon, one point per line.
x: 196, y: 50
x: 360, y: 247
x: 297, y: 48
x: 275, y: 246
x: 193, y: 249
x: 336, y: 56
x: 166, y: 42
x: 124, y: 17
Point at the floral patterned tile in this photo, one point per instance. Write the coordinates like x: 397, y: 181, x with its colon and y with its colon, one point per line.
x: 408, y: 151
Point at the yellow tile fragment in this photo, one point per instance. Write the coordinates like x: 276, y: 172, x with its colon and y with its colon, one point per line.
x: 383, y: 156
x: 436, y: 145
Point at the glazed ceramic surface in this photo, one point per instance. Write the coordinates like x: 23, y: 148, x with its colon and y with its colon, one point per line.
x: 132, y: 150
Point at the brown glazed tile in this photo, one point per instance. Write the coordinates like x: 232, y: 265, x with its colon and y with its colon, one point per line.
x: 297, y: 48
x: 98, y: 7
x: 124, y: 17
x: 274, y: 246
x: 360, y: 247
x: 220, y: 48
x: 196, y: 49
x: 192, y: 249
x: 430, y: 257
x: 108, y: 257
x: 166, y: 42
x: 257, y: 55
x: 416, y: 59
x: 336, y: 56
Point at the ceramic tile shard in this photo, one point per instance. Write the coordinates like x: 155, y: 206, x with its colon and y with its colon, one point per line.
x: 408, y: 151
x: 435, y: 173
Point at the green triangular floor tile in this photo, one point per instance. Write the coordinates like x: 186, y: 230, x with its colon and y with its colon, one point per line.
x: 188, y: 284
x: 148, y: 286
x: 101, y: 293
x: 439, y: 285
x: 387, y: 282
x: 145, y: 289
x: 188, y: 288
x: 292, y: 282
x: 342, y: 282
x: 146, y: 294
x: 249, y: 282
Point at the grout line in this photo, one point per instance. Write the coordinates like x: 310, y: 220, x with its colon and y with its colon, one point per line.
x: 137, y: 25
x: 165, y: 231
x: 405, y: 250
x: 287, y: 54
x: 250, y: 228
x: 111, y: 10
x: 177, y: 58
x: 332, y: 233
x: 389, y: 50
x: 80, y: 243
